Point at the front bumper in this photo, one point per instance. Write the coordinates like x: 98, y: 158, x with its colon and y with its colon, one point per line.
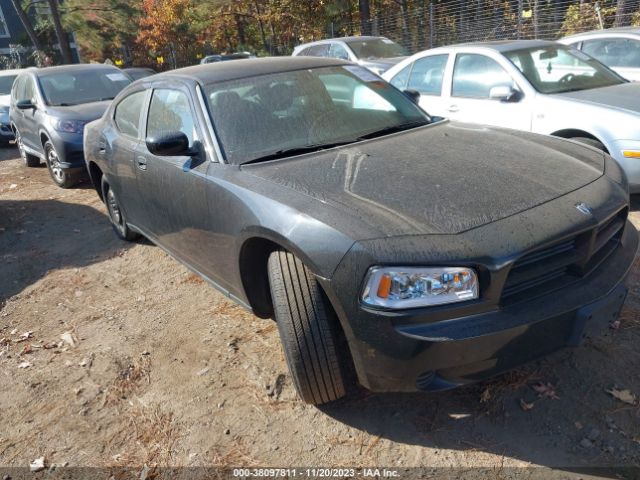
x: 443, y: 347
x: 70, y: 150
x: 631, y: 166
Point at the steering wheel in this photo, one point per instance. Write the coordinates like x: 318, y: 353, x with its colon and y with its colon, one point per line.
x: 567, y: 78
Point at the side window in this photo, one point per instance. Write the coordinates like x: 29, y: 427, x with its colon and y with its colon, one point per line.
x: 400, y: 79
x: 614, y: 52
x: 338, y: 51
x: 321, y: 50
x: 304, y: 52
x: 427, y: 74
x: 29, y: 92
x: 17, y: 91
x: 127, y: 116
x: 170, y: 111
x: 475, y: 75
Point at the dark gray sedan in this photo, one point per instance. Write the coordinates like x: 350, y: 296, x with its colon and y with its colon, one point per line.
x: 420, y: 254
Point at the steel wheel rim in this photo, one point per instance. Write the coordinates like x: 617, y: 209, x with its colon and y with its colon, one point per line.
x: 114, y: 209
x: 54, y: 165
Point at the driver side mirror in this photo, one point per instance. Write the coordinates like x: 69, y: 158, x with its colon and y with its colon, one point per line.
x: 25, y: 104
x: 169, y: 144
x: 413, y: 95
x: 505, y: 93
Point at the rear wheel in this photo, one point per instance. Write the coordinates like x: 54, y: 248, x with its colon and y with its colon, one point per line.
x: 116, y: 215
x: 592, y: 142
x: 308, y: 330
x: 60, y: 176
x: 28, y: 159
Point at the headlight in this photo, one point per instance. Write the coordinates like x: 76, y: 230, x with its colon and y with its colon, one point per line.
x: 69, y: 126
x: 411, y: 287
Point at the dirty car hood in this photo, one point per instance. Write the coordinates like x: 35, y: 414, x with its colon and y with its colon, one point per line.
x: 440, y: 179
x: 86, y: 112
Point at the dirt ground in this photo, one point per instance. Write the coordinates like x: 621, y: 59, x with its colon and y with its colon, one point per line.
x: 115, y: 355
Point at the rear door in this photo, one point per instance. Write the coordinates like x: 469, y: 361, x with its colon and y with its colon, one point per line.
x: 27, y: 119
x: 120, y: 144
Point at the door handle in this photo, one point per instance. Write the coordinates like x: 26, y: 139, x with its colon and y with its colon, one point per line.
x: 142, y: 163
x: 454, y: 108
x: 102, y: 147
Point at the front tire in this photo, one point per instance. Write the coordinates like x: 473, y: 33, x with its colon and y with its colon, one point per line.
x: 116, y: 215
x: 60, y: 176
x: 308, y: 330
x: 28, y: 159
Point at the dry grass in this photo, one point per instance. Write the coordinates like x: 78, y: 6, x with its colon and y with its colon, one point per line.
x: 131, y: 375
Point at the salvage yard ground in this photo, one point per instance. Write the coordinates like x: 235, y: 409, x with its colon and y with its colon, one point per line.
x: 113, y: 354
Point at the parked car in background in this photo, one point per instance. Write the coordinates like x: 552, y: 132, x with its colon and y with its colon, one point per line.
x: 136, y: 73
x: 226, y: 57
x: 377, y: 54
x: 617, y: 48
x: 426, y: 254
x: 7, y: 77
x: 49, y: 109
x: 532, y: 85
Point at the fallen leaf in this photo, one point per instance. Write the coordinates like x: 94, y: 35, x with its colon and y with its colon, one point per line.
x: 526, y: 406
x: 14, y: 331
x: 26, y: 350
x: 486, y: 396
x: 459, y: 416
x: 623, y: 395
x: 67, y: 337
x: 24, y: 365
x: 37, y: 465
x: 546, y: 390
x: 578, y: 425
x: 12, y: 186
x: 615, y: 325
x: 25, y: 336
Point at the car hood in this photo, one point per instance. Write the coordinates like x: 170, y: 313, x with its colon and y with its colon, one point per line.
x: 384, y: 63
x: 86, y: 112
x: 624, y: 97
x: 441, y: 179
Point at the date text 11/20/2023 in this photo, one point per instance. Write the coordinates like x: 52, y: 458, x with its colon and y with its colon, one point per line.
x: 315, y: 472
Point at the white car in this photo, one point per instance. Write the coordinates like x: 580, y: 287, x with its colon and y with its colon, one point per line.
x: 532, y: 85
x: 7, y: 77
x: 617, y: 48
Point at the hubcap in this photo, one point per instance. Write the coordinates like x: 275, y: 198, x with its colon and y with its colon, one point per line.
x: 54, y: 165
x: 114, y: 209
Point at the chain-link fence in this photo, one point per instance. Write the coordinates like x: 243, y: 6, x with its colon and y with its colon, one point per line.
x: 436, y: 23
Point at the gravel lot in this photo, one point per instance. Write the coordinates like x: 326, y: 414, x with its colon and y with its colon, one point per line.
x: 114, y: 355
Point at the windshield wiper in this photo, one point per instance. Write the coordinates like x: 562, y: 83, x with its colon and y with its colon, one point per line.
x: 106, y: 98
x: 393, y: 129
x: 290, y: 152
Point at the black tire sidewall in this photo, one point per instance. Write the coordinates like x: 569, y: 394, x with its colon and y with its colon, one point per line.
x: 122, y: 230
x: 67, y: 181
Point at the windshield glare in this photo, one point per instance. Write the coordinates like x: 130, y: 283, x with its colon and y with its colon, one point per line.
x: 557, y: 69
x: 74, y: 88
x: 6, y: 82
x: 261, y: 116
x: 376, y: 48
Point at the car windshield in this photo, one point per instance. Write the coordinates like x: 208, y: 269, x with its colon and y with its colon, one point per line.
x: 6, y: 82
x: 558, y: 69
x: 284, y: 114
x: 82, y: 86
x: 376, y: 48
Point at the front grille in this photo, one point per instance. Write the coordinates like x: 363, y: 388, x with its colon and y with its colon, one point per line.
x: 552, y: 266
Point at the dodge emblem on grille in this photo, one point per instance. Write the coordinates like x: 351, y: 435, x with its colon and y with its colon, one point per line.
x: 584, y: 208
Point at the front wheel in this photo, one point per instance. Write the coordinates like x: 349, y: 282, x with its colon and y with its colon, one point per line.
x: 60, y: 176
x: 116, y: 215
x: 308, y: 330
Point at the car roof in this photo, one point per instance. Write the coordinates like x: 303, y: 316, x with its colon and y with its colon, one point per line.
x: 347, y: 40
x: 78, y: 67
x: 251, y: 67
x: 506, y: 45
x: 15, y: 71
x: 605, y: 32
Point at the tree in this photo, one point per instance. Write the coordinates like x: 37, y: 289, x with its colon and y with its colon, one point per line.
x: 63, y: 39
x: 365, y: 16
x: 26, y: 23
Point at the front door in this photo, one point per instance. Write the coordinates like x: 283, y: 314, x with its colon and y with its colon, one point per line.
x: 474, y: 77
x: 174, y: 189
